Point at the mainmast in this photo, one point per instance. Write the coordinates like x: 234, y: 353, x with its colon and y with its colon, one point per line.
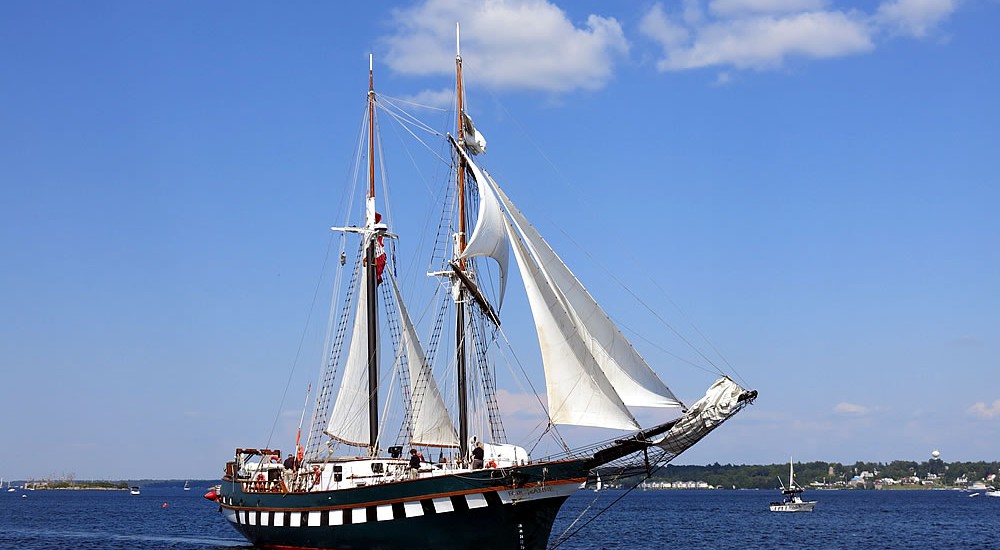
x: 460, y: 354
x: 371, y: 274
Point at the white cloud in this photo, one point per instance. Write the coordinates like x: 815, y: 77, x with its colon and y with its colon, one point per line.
x: 735, y: 7
x: 982, y: 410
x: 656, y: 24
x: 764, y: 34
x: 764, y: 42
x: 914, y: 17
x: 518, y: 44
x: 851, y: 409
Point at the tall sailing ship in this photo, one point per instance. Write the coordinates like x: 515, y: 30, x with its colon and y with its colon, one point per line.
x: 362, y: 479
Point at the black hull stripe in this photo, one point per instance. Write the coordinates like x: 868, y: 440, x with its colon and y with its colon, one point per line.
x: 380, y: 512
x: 443, y: 504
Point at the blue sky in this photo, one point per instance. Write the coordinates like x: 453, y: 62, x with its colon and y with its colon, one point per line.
x: 812, y: 182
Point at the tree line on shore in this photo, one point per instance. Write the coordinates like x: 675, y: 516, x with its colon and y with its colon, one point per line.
x: 931, y: 472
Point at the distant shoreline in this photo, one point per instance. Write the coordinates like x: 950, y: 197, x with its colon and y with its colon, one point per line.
x: 80, y: 488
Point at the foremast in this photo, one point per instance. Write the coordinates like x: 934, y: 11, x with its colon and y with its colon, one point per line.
x: 371, y: 273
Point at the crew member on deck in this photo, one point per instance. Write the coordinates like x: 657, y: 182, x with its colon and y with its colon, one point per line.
x: 477, y: 457
x: 414, y: 463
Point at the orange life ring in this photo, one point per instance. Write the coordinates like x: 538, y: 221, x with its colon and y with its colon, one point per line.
x: 491, y: 464
x: 275, y: 459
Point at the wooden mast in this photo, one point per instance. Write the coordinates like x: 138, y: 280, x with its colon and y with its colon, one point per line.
x: 460, y: 354
x: 371, y: 275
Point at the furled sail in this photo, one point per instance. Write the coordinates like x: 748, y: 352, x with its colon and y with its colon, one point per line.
x: 599, y: 350
x: 431, y: 424
x: 489, y: 237
x: 474, y: 139
x: 721, y: 400
x: 349, y: 420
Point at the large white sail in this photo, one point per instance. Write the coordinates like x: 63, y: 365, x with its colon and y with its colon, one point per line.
x: 349, y: 420
x: 578, y: 391
x: 636, y: 383
x: 431, y: 423
x: 489, y: 237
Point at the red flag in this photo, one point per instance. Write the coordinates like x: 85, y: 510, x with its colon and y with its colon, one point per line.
x: 379, y: 253
x: 379, y: 259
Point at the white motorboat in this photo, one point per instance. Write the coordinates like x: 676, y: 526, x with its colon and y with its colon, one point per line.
x: 792, y: 496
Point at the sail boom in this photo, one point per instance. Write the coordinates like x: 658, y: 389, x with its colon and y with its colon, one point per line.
x: 477, y: 294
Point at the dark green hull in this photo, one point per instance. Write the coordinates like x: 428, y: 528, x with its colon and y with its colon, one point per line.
x: 511, y: 508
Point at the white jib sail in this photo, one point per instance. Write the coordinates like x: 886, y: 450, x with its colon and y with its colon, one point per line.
x: 349, y: 419
x: 489, y: 237
x: 633, y: 379
x: 431, y: 423
x: 578, y: 391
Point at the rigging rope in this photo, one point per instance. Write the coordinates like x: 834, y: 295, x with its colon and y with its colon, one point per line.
x: 567, y: 534
x: 549, y: 426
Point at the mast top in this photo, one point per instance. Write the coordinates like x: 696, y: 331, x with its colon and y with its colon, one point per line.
x: 458, y: 42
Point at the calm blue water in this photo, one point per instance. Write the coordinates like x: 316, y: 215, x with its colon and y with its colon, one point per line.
x: 642, y: 520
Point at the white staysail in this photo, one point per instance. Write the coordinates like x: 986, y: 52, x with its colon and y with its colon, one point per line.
x: 489, y: 237
x: 431, y: 423
x: 633, y: 379
x: 607, y: 352
x: 578, y: 392
x: 349, y: 420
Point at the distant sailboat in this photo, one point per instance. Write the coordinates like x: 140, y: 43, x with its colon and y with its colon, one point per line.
x: 792, y: 501
x: 187, y: 486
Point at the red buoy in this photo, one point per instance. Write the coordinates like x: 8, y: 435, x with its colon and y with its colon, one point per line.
x: 211, y: 496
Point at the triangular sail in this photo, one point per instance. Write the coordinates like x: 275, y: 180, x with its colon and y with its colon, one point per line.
x: 349, y: 420
x: 489, y: 238
x: 633, y: 379
x: 431, y: 423
x: 578, y: 392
